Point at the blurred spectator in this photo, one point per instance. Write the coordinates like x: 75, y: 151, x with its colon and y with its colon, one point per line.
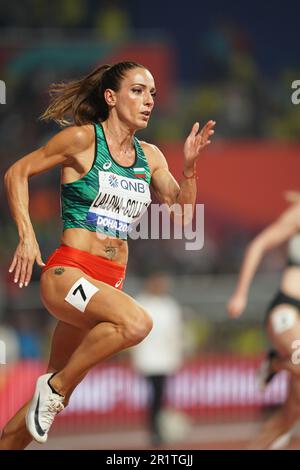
x: 9, y: 338
x: 160, y: 354
x: 28, y: 336
x: 112, y: 21
x: 229, y: 81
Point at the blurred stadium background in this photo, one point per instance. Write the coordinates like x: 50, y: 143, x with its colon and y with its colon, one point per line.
x: 223, y: 61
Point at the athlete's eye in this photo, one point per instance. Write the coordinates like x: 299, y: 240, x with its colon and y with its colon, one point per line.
x: 137, y: 90
x: 153, y: 94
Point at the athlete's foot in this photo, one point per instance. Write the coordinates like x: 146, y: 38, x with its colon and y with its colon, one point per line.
x: 271, y: 439
x: 45, y: 405
x: 266, y: 372
x: 281, y: 442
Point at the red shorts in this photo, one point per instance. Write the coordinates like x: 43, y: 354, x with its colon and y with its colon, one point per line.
x: 95, y: 266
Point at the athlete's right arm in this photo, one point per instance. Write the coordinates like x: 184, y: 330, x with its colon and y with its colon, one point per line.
x: 61, y: 149
x: 287, y: 225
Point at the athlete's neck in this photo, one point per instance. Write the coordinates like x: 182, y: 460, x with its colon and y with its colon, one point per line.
x: 118, y: 136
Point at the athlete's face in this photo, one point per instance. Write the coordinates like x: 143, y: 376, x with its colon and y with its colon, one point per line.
x: 134, y: 100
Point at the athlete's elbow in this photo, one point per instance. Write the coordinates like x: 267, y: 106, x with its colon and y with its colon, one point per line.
x: 9, y: 181
x: 257, y: 247
x: 8, y: 176
x: 188, y: 216
x: 14, y: 174
x: 182, y: 214
x: 181, y: 219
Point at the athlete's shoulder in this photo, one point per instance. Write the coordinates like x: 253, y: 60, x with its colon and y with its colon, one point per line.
x: 77, y: 137
x: 149, y: 148
x: 153, y: 153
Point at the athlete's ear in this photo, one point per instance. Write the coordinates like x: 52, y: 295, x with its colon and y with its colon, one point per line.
x: 110, y: 97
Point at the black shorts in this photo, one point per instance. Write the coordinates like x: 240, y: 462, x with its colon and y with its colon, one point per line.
x: 281, y: 298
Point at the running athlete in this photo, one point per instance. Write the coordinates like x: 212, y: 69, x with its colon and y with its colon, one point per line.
x: 282, y: 321
x: 106, y: 174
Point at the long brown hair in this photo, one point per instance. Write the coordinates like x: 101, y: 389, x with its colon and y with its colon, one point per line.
x: 82, y: 101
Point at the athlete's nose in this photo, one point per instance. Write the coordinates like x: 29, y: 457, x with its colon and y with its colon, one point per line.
x: 149, y: 101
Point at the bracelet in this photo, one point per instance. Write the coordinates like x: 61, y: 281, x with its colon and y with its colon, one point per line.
x: 194, y: 175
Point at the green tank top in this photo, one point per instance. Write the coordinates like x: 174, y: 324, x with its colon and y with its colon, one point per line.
x: 110, y: 197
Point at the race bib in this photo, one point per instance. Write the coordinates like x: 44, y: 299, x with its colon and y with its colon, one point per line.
x: 81, y: 293
x: 120, y: 202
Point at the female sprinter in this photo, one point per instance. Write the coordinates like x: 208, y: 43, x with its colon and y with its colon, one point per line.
x: 282, y: 320
x: 106, y: 174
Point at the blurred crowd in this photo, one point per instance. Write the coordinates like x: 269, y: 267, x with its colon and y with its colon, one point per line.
x: 228, y: 85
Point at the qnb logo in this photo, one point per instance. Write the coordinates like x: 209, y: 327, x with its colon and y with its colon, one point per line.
x: 2, y: 352
x: 138, y: 187
x: 113, y: 181
x: 296, y: 94
x: 2, y: 92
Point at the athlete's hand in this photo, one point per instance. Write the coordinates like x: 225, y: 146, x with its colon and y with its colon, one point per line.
x: 26, y: 254
x: 236, y: 305
x: 292, y: 196
x: 197, y: 141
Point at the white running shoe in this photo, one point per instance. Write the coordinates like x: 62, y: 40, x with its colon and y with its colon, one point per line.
x: 281, y: 442
x: 43, y: 408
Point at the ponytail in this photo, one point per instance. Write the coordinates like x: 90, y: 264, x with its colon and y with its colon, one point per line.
x: 82, y: 101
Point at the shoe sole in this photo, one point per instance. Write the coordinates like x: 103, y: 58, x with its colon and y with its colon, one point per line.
x: 30, y: 417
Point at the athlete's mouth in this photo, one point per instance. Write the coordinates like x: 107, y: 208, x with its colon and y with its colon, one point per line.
x: 146, y: 113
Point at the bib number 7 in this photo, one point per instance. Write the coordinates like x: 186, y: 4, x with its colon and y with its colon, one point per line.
x: 81, y: 293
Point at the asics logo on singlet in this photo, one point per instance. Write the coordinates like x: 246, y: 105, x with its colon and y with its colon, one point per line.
x: 113, y: 181
x: 107, y: 165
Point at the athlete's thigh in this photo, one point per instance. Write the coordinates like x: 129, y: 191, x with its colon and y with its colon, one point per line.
x: 65, y: 339
x: 283, y: 327
x: 77, y: 299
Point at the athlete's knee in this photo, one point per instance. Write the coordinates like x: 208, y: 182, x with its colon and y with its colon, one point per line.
x: 137, y: 326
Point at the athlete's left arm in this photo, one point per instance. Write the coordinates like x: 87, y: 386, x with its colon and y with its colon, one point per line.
x: 164, y: 184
